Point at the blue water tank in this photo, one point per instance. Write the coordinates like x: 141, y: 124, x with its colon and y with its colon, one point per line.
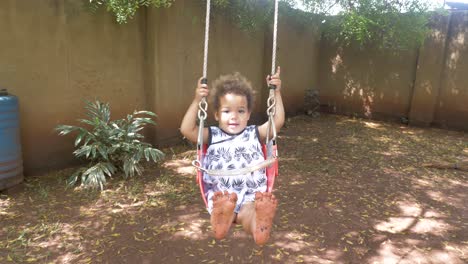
x: 11, y: 162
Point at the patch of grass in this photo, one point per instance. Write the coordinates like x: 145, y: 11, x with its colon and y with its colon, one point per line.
x: 23, y: 237
x: 135, y: 189
x: 43, y: 191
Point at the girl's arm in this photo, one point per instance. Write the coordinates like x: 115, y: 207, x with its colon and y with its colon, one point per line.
x: 279, y: 114
x: 189, y: 127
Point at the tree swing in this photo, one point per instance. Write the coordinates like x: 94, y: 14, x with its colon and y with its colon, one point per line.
x: 269, y: 148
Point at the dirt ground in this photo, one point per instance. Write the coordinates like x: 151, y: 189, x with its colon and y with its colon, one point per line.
x: 350, y: 191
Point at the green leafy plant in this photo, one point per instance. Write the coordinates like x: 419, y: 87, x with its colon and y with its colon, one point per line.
x: 110, y: 146
x: 125, y: 9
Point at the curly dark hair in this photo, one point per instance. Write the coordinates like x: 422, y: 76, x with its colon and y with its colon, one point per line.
x: 232, y: 84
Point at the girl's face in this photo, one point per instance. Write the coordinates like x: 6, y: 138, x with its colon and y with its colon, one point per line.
x: 233, y: 113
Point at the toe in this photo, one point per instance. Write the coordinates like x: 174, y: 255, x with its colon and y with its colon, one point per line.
x: 216, y: 196
x: 233, y: 197
x: 258, y: 196
x: 272, y: 197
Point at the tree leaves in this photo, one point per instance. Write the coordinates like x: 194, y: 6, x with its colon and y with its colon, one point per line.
x: 125, y: 9
x: 392, y: 25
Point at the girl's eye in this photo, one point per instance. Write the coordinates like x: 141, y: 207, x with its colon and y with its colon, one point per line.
x: 225, y: 111
x: 241, y: 111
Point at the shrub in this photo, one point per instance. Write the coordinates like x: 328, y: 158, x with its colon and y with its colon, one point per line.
x: 110, y: 146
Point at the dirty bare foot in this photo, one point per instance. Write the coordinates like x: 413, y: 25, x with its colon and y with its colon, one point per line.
x: 265, y: 209
x: 222, y: 215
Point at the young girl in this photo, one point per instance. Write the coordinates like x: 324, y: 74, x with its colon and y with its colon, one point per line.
x: 233, y: 145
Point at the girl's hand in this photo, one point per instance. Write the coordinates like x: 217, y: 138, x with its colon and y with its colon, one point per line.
x: 202, y: 90
x: 275, y: 79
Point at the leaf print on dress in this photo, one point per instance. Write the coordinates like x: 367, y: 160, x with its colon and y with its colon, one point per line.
x: 225, y: 154
x: 212, y: 156
x: 215, y: 132
x: 209, y: 180
x: 238, y: 184
x: 239, y: 152
x: 256, y: 152
x: 224, y: 182
x: 261, y: 182
x: 231, y: 167
x: 247, y: 157
x: 219, y: 166
x: 245, y: 137
x: 252, y: 184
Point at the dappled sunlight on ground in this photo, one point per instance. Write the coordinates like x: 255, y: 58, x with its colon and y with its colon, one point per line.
x: 373, y: 125
x: 349, y: 191
x: 392, y: 252
x: 414, y: 219
x: 183, y: 166
x: 4, y: 205
x: 451, y: 199
x: 293, y: 241
x: 432, y: 226
x: 194, y: 228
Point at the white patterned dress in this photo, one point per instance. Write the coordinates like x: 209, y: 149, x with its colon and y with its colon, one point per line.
x: 230, y: 152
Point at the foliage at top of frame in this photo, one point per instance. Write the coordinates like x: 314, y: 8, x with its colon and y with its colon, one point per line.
x: 125, y: 9
x: 386, y: 24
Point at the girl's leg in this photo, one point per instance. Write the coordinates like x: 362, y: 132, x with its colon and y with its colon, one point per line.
x: 257, y: 217
x: 222, y: 215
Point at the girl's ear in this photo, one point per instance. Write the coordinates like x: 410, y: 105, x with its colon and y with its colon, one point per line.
x: 216, y: 116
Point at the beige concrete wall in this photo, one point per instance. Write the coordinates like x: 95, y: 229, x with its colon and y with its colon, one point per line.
x: 429, y: 73
x: 365, y: 82
x: 452, y: 106
x: 178, y: 54
x: 426, y: 85
x: 176, y: 47
x: 56, y: 55
x: 297, y: 54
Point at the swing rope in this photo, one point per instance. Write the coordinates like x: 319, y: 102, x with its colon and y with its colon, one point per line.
x: 207, y: 38
x: 271, y: 104
x: 236, y: 172
x: 203, y: 104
